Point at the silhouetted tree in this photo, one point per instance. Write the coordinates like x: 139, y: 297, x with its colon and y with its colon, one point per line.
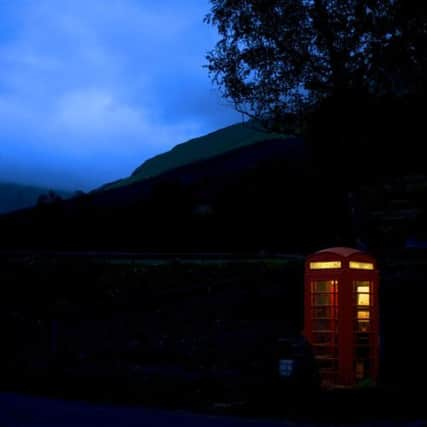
x: 49, y: 199
x: 276, y: 57
x: 348, y: 74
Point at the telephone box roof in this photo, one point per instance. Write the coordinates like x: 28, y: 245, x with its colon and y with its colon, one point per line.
x: 342, y: 251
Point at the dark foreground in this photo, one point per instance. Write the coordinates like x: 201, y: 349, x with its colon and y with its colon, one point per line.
x: 198, y: 335
x: 22, y: 410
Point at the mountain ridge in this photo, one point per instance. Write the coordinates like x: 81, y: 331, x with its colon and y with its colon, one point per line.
x: 204, y: 147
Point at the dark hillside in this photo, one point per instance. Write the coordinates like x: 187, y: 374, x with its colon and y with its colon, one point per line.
x: 264, y: 196
x: 205, y: 147
x: 17, y: 196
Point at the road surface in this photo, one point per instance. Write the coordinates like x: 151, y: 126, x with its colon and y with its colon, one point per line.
x: 18, y: 410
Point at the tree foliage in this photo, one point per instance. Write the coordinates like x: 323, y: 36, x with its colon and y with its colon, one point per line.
x: 276, y: 57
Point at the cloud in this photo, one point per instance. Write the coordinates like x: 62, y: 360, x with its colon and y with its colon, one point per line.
x: 96, y: 111
x: 90, y: 89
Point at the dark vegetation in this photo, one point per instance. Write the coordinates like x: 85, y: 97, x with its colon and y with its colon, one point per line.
x: 275, y: 58
x: 350, y: 77
x: 155, y: 327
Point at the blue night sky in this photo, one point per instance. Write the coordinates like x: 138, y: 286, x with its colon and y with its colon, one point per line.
x: 89, y: 89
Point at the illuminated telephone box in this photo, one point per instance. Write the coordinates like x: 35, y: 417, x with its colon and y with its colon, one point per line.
x: 341, y: 319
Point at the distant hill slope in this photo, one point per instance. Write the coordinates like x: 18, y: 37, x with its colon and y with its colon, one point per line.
x: 257, y: 196
x: 206, y: 178
x: 16, y: 196
x: 204, y: 147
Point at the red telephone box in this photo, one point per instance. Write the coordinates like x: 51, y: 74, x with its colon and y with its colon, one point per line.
x: 342, y: 314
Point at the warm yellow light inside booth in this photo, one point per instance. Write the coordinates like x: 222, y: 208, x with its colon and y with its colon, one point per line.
x: 361, y: 265
x: 363, y: 315
x: 363, y: 296
x: 324, y: 265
